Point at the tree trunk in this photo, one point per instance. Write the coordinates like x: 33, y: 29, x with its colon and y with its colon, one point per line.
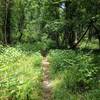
x: 7, y: 23
x: 81, y: 38
x: 21, y: 22
x: 71, y: 39
x: 57, y: 40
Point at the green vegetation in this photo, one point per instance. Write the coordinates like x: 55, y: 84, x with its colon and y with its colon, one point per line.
x: 75, y: 75
x: 68, y: 31
x: 20, y: 74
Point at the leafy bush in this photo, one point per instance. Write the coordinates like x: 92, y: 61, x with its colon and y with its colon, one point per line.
x: 20, y: 74
x: 73, y: 72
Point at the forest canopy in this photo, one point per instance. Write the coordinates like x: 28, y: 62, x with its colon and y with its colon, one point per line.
x: 61, y: 22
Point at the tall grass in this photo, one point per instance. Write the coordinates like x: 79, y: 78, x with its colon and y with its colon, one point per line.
x: 74, y: 75
x: 20, y: 74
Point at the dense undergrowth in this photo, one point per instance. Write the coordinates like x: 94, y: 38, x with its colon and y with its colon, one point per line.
x: 20, y: 73
x: 75, y: 74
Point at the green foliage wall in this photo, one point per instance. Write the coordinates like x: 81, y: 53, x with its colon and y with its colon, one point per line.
x: 60, y: 19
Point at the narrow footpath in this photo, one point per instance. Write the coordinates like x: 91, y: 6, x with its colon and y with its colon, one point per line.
x: 46, y: 80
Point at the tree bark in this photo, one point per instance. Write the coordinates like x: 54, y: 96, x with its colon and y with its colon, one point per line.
x: 7, y: 23
x: 21, y: 22
x: 81, y: 38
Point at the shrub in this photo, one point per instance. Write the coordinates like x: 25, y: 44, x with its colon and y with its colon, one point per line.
x: 75, y: 71
x: 20, y: 74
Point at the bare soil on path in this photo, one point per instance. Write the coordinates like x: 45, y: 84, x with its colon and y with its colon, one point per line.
x: 46, y: 79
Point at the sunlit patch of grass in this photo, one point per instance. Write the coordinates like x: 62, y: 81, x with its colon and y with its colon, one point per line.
x: 55, y: 83
x: 93, y: 44
x: 20, y: 74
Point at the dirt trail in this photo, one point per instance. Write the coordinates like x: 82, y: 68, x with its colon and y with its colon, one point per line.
x: 46, y: 80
